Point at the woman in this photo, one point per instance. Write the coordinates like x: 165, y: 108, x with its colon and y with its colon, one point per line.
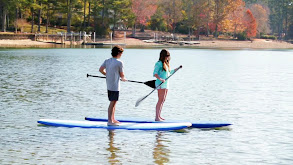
x: 161, y: 72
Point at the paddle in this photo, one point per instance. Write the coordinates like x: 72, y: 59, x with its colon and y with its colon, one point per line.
x: 142, y: 98
x: 150, y: 83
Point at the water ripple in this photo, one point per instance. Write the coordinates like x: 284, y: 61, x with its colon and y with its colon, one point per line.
x: 251, y: 89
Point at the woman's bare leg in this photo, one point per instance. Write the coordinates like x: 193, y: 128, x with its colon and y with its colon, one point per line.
x: 165, y: 95
x: 162, y: 96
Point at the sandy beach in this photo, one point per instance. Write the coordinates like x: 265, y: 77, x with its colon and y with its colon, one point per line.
x: 23, y: 43
x: 256, y: 44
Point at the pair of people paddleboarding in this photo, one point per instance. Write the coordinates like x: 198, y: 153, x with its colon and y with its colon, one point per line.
x: 113, y: 69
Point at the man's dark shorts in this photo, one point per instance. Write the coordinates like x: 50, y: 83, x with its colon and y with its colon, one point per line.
x: 113, y: 95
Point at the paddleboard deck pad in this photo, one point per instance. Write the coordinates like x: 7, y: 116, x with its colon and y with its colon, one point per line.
x: 123, y: 125
x: 194, y: 124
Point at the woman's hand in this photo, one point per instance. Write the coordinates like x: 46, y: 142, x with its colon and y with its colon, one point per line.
x: 159, y: 78
x: 178, y: 68
x: 163, y: 80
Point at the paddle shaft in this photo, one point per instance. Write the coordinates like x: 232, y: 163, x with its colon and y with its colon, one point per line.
x: 157, y: 86
x: 165, y: 81
x: 105, y: 77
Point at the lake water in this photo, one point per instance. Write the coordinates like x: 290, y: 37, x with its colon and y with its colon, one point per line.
x: 253, y: 89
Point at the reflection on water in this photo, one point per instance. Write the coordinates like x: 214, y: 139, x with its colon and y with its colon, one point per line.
x: 113, y: 157
x: 161, y: 151
x: 251, y: 89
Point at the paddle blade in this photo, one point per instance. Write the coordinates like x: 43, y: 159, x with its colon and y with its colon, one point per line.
x: 151, y: 83
x: 139, y: 101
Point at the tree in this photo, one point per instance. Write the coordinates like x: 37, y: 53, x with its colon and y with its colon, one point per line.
x: 173, y: 13
x: 119, y: 11
x: 89, y: 12
x: 143, y: 10
x: 221, y: 10
x: 250, y: 24
x: 84, y: 13
x: 69, y: 15
x: 3, y: 9
x: 234, y: 21
x: 21, y: 23
x: 70, y: 6
x: 195, y: 16
x: 290, y: 21
x: 208, y: 16
x: 157, y: 21
x: 261, y: 14
x: 39, y: 14
x: 102, y: 12
x: 280, y: 16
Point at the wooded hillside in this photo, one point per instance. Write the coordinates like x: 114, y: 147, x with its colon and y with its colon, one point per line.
x: 235, y: 18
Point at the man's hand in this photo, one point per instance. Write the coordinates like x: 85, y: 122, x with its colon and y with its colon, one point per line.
x: 123, y: 79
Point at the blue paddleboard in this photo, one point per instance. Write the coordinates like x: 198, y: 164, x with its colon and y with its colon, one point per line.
x: 123, y: 125
x: 194, y: 124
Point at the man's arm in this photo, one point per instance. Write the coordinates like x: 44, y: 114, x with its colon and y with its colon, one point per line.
x: 102, y: 70
x: 122, y: 76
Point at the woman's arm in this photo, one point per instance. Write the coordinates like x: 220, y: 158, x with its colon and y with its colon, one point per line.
x: 158, y: 67
x: 158, y: 77
x: 174, y: 70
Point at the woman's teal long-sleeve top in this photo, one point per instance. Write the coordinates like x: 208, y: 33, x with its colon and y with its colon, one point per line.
x: 162, y: 74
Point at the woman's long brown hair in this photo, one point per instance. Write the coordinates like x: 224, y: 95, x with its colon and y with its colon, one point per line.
x: 165, y: 53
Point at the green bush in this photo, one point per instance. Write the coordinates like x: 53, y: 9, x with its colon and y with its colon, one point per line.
x: 181, y: 28
x: 241, y: 36
x: 268, y: 37
x: 157, y: 23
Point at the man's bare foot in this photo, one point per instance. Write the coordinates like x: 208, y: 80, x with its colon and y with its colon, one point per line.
x: 113, y: 124
x: 161, y: 118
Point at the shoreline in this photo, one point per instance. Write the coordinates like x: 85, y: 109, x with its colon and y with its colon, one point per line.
x: 132, y: 42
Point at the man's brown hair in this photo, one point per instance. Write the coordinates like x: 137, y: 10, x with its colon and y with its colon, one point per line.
x: 116, y: 49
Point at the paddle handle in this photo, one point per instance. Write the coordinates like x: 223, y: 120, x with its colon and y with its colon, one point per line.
x: 87, y: 75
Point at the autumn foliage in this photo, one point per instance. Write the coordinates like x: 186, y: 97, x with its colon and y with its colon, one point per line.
x: 261, y: 15
x: 250, y: 24
x: 143, y: 10
x: 212, y: 18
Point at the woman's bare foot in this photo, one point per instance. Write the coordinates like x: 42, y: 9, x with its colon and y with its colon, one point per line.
x: 161, y: 118
x: 114, y: 123
x: 158, y: 119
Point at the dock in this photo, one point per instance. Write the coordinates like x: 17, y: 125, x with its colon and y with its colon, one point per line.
x: 103, y: 44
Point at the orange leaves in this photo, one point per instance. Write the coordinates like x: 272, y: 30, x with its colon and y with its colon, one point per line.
x: 234, y: 21
x: 143, y: 10
x: 261, y: 15
x: 250, y: 24
x: 239, y: 19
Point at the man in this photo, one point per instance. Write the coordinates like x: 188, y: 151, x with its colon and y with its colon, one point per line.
x: 112, y: 68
